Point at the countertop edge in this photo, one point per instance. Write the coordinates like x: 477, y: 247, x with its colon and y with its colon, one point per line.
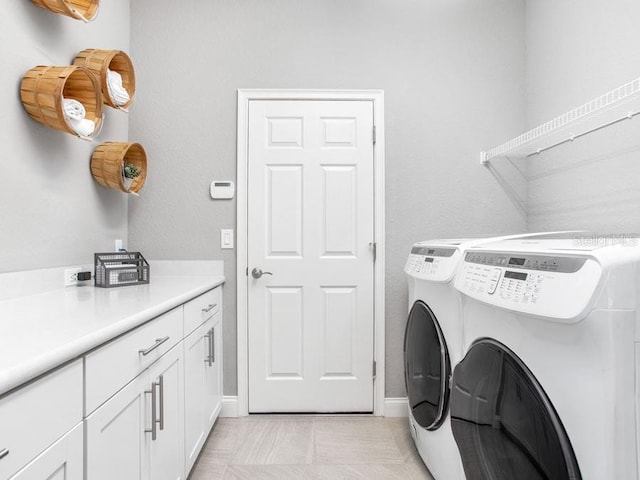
x: 15, y: 377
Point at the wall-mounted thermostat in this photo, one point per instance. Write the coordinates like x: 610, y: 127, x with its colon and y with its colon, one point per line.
x: 222, y: 189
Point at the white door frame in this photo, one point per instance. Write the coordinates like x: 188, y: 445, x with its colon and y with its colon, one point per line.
x: 244, y: 97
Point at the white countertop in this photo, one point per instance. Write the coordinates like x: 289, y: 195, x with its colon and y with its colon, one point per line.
x: 41, y: 331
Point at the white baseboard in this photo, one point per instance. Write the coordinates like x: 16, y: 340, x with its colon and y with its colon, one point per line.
x: 229, y: 406
x: 395, y: 407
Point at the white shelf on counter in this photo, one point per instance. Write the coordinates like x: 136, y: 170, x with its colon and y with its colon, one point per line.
x: 618, y: 105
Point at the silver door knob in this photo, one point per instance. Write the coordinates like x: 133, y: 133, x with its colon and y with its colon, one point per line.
x: 257, y: 273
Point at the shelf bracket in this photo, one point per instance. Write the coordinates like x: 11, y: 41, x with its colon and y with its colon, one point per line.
x: 483, y: 158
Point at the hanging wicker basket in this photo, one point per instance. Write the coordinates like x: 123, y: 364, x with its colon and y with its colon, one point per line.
x: 43, y: 89
x: 85, y: 10
x: 108, y: 161
x: 99, y: 61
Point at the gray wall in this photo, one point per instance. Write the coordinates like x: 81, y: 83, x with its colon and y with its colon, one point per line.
x: 453, y: 72
x: 53, y: 213
x: 578, y: 50
x: 453, y: 76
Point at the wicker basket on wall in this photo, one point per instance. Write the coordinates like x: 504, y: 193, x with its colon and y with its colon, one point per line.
x: 85, y: 10
x: 43, y: 89
x: 98, y: 61
x: 107, y: 163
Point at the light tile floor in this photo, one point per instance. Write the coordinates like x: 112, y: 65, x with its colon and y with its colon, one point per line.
x: 266, y: 447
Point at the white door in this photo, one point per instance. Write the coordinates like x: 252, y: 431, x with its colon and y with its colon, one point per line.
x: 311, y: 225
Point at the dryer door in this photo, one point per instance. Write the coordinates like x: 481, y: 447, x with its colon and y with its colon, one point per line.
x: 427, y: 367
x: 503, y: 422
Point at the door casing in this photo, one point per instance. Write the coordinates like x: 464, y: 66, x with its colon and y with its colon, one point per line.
x: 244, y: 97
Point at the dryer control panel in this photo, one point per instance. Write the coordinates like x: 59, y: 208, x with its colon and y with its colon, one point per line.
x: 554, y: 286
x: 519, y: 287
x: 433, y: 263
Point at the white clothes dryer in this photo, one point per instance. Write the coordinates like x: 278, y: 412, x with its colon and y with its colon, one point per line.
x: 432, y: 345
x: 546, y: 388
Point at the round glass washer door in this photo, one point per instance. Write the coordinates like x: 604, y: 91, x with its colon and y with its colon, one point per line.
x: 427, y: 367
x: 503, y: 422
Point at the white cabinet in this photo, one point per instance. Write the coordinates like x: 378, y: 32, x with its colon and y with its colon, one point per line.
x: 138, y: 433
x: 117, y: 441
x: 202, y: 308
x: 34, y: 417
x: 61, y: 461
x: 113, y: 365
x: 163, y: 410
x: 130, y: 409
x: 203, y: 376
x: 196, y: 354
x: 166, y: 452
x: 213, y: 376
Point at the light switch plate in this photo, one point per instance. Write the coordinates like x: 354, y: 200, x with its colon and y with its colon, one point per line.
x: 226, y: 238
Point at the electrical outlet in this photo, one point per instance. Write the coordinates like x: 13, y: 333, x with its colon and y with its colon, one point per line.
x: 71, y: 276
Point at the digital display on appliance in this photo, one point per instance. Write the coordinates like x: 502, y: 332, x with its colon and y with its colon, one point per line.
x: 515, y: 275
x: 516, y: 261
x: 428, y: 260
x: 430, y: 252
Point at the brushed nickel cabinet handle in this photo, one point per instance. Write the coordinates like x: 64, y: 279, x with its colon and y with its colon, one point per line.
x: 213, y: 345
x: 210, y: 307
x: 159, y: 341
x: 3, y: 453
x: 208, y: 337
x: 161, y: 388
x: 154, y: 398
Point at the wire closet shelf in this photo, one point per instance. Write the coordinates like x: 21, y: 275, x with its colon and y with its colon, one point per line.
x: 609, y: 109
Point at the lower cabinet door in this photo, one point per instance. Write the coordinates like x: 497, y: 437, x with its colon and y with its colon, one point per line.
x: 38, y: 414
x: 61, y: 461
x: 196, y: 362
x: 166, y: 456
x: 213, y: 378
x: 117, y: 443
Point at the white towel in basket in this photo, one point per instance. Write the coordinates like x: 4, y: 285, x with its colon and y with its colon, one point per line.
x: 117, y: 92
x: 73, y: 109
x: 75, y: 112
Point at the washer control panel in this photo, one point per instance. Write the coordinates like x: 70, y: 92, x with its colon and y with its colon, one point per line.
x: 432, y: 263
x: 510, y: 285
x: 554, y: 286
x: 543, y: 263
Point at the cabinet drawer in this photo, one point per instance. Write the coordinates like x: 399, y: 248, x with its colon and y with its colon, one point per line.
x: 201, y: 309
x: 35, y: 416
x: 112, y: 366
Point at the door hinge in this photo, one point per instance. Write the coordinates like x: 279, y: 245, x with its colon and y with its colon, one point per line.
x: 374, y: 249
x: 374, y: 369
x: 374, y: 135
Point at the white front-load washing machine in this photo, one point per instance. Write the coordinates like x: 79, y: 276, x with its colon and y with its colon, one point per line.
x: 546, y: 388
x: 432, y: 346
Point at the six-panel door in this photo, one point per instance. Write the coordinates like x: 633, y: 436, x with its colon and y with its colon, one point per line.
x: 310, y: 233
